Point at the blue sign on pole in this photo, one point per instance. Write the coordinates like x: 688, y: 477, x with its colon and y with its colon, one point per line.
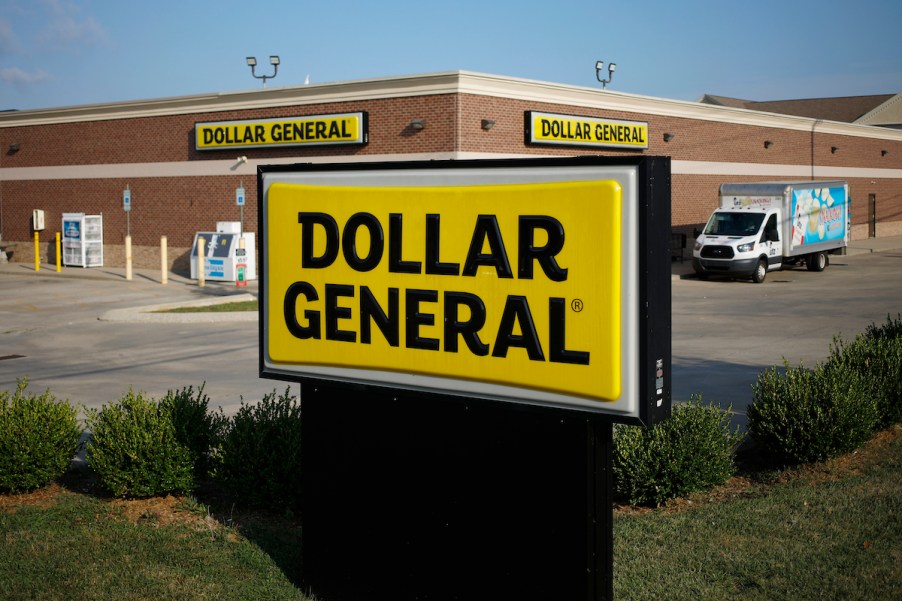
x: 127, y: 200
x: 239, y: 196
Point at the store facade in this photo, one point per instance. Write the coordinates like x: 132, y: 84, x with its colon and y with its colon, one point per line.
x: 183, y: 159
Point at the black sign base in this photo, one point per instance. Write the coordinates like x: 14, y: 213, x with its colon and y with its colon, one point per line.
x: 446, y: 498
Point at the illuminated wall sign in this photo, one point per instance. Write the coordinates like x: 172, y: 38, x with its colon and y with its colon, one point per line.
x: 311, y: 130
x: 570, y: 130
x: 509, y: 280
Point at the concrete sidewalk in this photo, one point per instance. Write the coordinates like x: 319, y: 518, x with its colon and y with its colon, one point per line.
x: 679, y: 270
x: 683, y: 269
x: 175, y: 280
x: 110, y: 282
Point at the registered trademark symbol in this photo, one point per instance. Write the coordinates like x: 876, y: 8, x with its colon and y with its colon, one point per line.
x: 577, y: 305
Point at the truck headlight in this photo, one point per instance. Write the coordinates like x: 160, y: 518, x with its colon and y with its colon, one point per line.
x: 698, y: 245
x: 745, y: 248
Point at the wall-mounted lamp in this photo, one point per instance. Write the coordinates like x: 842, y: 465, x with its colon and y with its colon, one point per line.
x: 488, y: 124
x: 833, y: 149
x: 668, y: 137
x: 768, y: 143
x: 14, y: 147
x: 242, y: 159
x: 273, y: 60
x: 883, y: 153
x: 417, y: 124
x: 599, y: 67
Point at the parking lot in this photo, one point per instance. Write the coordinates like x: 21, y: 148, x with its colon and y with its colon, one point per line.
x: 724, y: 332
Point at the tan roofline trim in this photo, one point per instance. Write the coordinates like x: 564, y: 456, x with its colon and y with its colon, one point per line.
x: 249, y: 169
x: 451, y: 82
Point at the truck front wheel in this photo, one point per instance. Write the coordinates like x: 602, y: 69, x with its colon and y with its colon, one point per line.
x: 760, y: 272
x: 817, y: 261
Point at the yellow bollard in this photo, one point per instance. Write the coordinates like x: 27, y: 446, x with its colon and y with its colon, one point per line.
x: 164, y: 268
x: 37, y: 251
x: 201, y: 262
x: 59, y: 255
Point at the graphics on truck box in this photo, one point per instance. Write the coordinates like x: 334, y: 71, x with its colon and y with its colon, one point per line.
x: 818, y: 215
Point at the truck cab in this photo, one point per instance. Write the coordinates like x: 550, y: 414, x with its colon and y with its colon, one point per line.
x: 739, y: 243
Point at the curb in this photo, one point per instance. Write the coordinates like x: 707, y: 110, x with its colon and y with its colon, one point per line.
x: 151, y: 313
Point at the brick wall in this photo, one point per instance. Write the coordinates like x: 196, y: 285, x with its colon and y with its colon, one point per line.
x: 177, y: 207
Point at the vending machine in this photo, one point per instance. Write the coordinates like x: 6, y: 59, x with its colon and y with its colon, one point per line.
x: 82, y: 240
x: 225, y: 259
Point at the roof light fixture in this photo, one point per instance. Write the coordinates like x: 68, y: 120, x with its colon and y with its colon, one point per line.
x: 273, y: 60
x: 599, y: 67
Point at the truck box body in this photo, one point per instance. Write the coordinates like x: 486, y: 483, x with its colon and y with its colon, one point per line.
x: 774, y: 223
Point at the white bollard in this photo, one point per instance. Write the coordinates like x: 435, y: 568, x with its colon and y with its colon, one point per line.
x: 128, y: 258
x: 164, y: 267
x: 201, y: 262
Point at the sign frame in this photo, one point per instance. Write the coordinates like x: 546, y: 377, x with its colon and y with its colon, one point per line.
x: 646, y: 262
x: 585, y: 134
x: 361, y: 136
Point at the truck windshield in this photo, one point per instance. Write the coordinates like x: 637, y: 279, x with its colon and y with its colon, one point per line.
x: 734, y: 224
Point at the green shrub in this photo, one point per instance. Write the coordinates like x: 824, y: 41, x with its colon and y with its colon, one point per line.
x: 690, y: 452
x: 876, y: 358
x: 802, y: 415
x: 195, y: 427
x: 134, y: 449
x: 261, y: 451
x: 892, y: 329
x: 38, y: 438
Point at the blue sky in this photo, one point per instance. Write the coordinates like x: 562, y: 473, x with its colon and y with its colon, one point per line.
x: 69, y: 52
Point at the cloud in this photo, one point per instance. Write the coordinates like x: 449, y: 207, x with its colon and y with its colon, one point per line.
x: 18, y: 77
x: 66, y: 27
x: 87, y: 32
x: 8, y: 40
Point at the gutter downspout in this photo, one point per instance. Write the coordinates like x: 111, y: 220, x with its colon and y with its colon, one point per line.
x: 813, y: 125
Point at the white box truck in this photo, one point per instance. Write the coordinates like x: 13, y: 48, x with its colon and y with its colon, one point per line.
x: 765, y: 226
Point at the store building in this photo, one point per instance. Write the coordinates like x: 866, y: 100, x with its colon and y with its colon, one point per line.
x: 182, y: 159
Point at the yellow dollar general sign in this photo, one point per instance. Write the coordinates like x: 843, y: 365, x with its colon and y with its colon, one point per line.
x: 570, y: 130
x: 466, y: 282
x: 311, y: 130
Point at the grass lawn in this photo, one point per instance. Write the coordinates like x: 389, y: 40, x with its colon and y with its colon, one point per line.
x: 62, y: 543
x: 828, y: 531
x: 218, y: 308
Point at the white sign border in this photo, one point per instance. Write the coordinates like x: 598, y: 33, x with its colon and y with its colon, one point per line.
x: 626, y: 407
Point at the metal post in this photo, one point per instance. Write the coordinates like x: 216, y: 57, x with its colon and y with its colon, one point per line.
x: 201, y: 262
x: 37, y: 251
x: 128, y: 258
x: 164, y: 268
x: 600, y: 510
x: 59, y: 256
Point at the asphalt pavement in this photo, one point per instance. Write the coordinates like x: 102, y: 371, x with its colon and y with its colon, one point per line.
x: 89, y: 335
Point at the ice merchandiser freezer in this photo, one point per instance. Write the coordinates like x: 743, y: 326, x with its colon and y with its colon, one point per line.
x: 222, y: 258
x: 82, y: 240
